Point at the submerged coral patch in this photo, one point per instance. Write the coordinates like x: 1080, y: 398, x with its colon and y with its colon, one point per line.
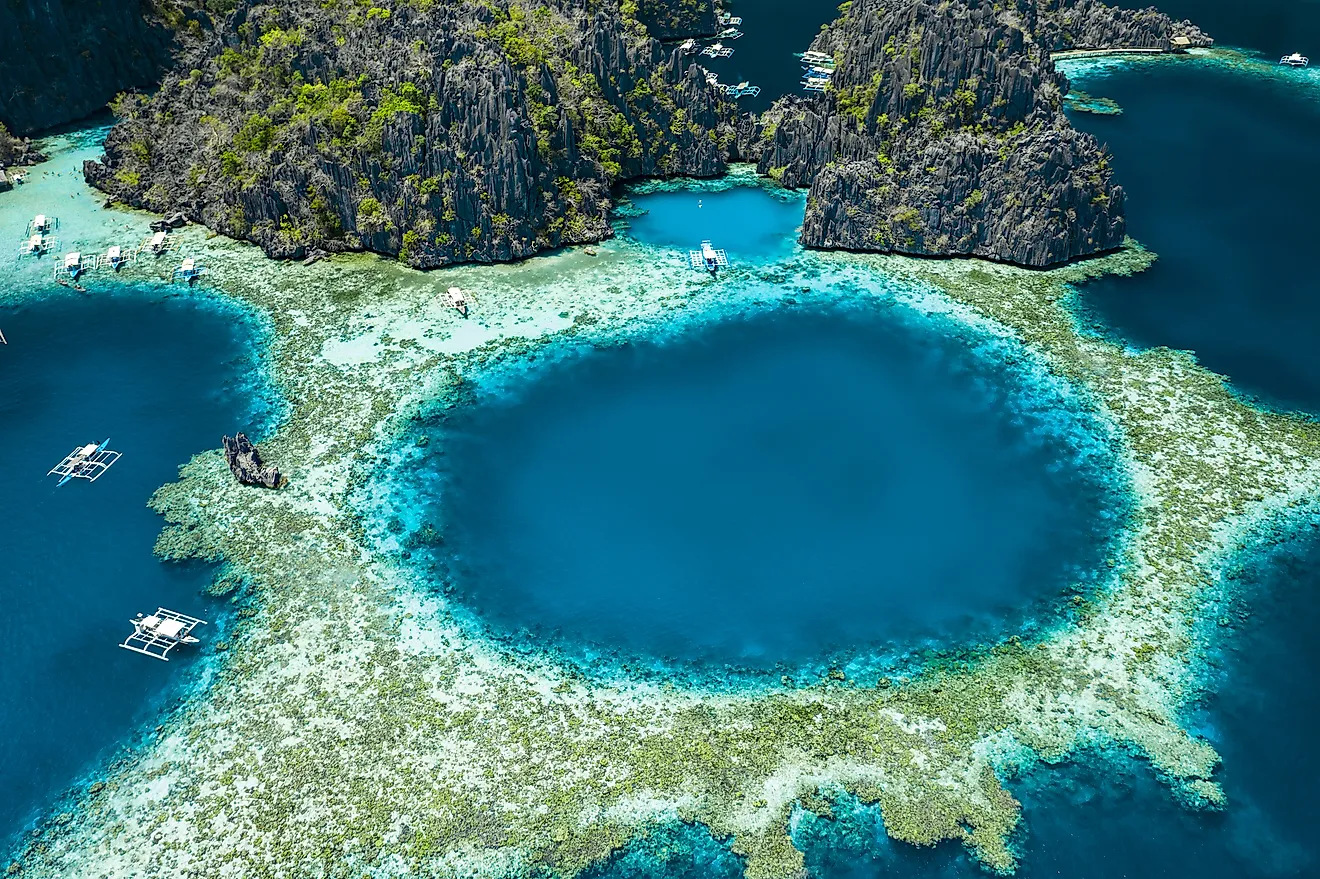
x: 774, y: 489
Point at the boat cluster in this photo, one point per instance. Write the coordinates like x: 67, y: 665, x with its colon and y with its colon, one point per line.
x: 729, y: 31
x: 154, y: 635
x: 817, y: 70
x: 39, y: 240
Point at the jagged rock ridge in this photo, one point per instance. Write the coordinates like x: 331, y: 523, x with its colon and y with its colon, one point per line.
x: 61, y: 60
x: 437, y: 132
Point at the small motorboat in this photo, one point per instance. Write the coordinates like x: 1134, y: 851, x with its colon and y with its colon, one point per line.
x: 1296, y: 59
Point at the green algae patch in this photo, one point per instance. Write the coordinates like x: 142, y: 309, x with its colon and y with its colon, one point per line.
x: 356, y: 727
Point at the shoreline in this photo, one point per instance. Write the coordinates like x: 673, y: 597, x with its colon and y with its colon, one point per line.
x: 444, y: 728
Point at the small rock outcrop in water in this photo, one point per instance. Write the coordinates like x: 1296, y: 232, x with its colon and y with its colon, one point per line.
x: 944, y: 133
x: 245, y: 463
x: 17, y: 150
x: 436, y: 132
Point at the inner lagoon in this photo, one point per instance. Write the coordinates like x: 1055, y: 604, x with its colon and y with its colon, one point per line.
x: 774, y: 489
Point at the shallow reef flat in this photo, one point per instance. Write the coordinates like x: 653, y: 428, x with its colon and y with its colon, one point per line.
x: 357, y: 727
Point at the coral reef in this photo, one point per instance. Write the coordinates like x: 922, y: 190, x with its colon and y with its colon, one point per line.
x: 355, y: 727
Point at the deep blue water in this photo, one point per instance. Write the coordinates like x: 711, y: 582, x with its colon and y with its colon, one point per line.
x: 770, y: 489
x: 748, y: 222
x: 164, y: 378
x: 1219, y: 169
x: 1107, y: 816
x: 772, y: 31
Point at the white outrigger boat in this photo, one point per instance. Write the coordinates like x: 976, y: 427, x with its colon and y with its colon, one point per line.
x: 689, y: 47
x: 458, y: 301
x: 157, y: 634
x: 113, y: 259
x: 43, y: 225
x: 157, y: 244
x: 189, y: 270
x: 729, y: 33
x: 72, y: 267
x: 1296, y: 59
x: 85, y: 462
x: 37, y: 245
x: 727, y: 19
x: 708, y: 259
x: 717, y: 50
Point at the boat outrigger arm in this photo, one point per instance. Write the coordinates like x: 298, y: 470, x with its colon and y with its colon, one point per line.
x: 85, y: 462
x: 159, y: 633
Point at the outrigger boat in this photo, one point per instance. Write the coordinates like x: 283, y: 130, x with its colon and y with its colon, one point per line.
x: 726, y: 19
x: 717, y: 50
x: 42, y: 224
x: 741, y: 89
x: 689, y: 47
x: 157, y: 244
x: 37, y: 245
x: 708, y: 259
x: 72, y: 267
x: 85, y: 462
x: 1296, y: 59
x: 189, y: 270
x: 113, y: 259
x: 729, y: 33
x: 159, y: 633
x: 458, y: 301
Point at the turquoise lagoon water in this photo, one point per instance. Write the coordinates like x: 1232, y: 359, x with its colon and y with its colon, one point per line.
x: 1105, y: 815
x: 748, y: 222
x: 784, y: 486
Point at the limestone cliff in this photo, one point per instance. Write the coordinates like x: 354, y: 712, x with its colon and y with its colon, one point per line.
x: 437, y: 132
x: 943, y: 134
x: 61, y: 60
x: 1088, y: 24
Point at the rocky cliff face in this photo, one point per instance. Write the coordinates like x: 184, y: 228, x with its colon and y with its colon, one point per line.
x: 437, y: 132
x: 61, y: 60
x: 943, y: 134
x: 1087, y: 24
x: 17, y: 150
x: 678, y: 19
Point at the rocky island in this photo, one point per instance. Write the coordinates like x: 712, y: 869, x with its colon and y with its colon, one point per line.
x: 441, y: 133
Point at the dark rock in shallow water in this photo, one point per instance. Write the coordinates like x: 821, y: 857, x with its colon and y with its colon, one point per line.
x: 61, y: 60
x: 943, y: 134
x: 442, y: 133
x: 17, y: 150
x: 245, y: 463
x: 173, y: 221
